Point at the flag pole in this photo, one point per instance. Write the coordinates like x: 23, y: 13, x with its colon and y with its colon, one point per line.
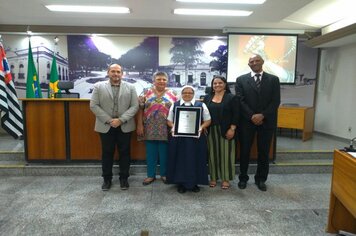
x: 56, y: 39
x: 33, y: 88
x: 53, y: 78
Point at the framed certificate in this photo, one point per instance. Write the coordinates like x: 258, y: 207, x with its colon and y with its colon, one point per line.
x: 187, y: 121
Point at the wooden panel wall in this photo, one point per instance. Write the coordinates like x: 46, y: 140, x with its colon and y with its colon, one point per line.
x: 84, y: 141
x: 45, y: 130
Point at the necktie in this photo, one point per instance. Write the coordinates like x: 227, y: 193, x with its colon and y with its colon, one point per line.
x: 258, y: 81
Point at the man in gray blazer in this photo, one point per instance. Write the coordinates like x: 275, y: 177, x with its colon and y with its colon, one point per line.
x: 114, y: 103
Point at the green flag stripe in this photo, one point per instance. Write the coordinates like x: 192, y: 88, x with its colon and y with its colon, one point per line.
x: 33, y: 89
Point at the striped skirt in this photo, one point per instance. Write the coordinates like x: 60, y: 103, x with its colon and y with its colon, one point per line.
x: 222, y: 155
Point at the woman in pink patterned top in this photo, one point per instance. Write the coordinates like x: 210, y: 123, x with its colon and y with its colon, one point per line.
x: 152, y: 125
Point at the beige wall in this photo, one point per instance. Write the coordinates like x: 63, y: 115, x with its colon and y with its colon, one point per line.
x: 336, y: 92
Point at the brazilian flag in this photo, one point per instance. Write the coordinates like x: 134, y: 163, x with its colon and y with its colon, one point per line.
x: 53, y: 81
x: 33, y: 89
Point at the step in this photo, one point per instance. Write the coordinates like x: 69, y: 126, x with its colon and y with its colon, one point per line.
x: 280, y: 156
x: 95, y: 169
x: 304, y: 158
x: 13, y: 164
x: 18, y: 156
x: 305, y: 154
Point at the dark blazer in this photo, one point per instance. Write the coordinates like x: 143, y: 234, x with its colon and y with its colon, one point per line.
x: 229, y: 113
x: 252, y: 101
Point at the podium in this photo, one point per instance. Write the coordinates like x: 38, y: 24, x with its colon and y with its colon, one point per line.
x: 63, y: 130
x: 342, y: 209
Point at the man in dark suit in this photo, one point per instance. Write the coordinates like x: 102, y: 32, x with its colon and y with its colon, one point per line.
x: 114, y: 103
x: 259, y: 94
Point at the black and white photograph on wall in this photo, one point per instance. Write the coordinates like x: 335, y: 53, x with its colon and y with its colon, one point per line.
x: 192, y: 61
x: 90, y: 57
x: 44, y: 47
x: 83, y: 60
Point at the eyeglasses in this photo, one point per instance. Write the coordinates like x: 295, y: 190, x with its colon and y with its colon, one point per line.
x: 187, y: 93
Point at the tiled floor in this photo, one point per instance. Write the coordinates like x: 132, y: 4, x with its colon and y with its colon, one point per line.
x: 319, y: 142
x: 9, y: 144
x: 294, y: 204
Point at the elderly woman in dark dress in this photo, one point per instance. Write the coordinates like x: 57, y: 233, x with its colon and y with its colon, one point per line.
x: 187, y: 156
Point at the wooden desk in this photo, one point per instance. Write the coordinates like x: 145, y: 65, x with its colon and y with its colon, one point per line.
x: 301, y: 118
x: 342, y: 209
x: 63, y: 130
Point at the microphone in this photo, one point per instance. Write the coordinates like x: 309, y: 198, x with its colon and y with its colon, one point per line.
x: 351, y: 147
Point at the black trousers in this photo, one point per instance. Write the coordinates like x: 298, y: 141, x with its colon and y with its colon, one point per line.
x: 115, y: 138
x: 264, y: 138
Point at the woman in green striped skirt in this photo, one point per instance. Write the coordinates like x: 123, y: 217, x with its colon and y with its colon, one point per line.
x: 224, y: 110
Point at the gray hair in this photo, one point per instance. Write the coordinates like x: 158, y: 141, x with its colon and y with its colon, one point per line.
x: 159, y: 73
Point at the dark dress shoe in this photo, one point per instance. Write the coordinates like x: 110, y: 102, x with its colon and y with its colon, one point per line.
x: 106, y: 185
x: 124, y: 184
x: 242, y: 184
x: 181, y: 189
x: 196, y: 189
x: 261, y: 186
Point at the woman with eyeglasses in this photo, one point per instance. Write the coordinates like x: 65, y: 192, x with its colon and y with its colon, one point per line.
x: 224, y: 109
x: 188, y: 154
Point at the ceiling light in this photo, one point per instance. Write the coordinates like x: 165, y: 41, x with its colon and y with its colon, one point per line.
x: 28, y: 31
x: 226, y: 1
x: 210, y: 12
x: 56, y: 40
x: 90, y: 9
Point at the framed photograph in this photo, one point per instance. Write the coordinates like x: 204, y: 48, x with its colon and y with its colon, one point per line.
x: 187, y: 121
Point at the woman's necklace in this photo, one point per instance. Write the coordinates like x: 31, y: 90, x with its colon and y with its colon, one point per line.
x: 159, y: 95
